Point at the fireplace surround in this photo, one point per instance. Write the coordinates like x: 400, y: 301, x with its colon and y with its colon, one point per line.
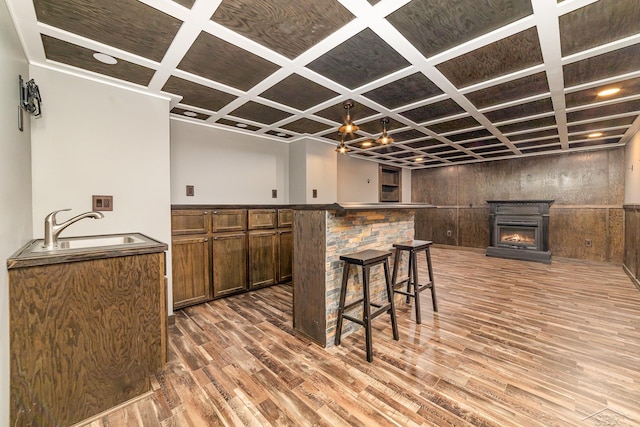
x: 519, y: 229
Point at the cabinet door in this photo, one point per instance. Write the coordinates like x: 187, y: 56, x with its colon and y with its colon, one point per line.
x: 189, y: 221
x: 285, y: 218
x: 262, y: 218
x: 229, y: 263
x: 263, y: 267
x: 285, y: 255
x: 225, y: 220
x: 190, y: 262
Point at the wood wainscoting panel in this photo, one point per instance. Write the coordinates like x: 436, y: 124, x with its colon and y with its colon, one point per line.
x: 570, y: 228
x: 615, y: 234
x: 473, y: 226
x: 632, y: 241
x: 433, y: 224
x: 85, y: 336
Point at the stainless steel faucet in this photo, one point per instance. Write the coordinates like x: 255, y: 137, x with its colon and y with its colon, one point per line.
x: 53, y: 229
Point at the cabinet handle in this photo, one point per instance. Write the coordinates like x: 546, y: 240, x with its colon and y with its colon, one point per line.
x: 206, y: 240
x: 215, y: 212
x: 205, y: 212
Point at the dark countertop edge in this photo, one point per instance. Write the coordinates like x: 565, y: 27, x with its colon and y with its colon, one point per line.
x: 331, y: 206
x: 522, y: 201
x: 631, y: 206
x: 17, y: 260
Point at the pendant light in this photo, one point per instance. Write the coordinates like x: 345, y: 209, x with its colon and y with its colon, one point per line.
x: 342, y: 148
x: 384, y: 138
x: 348, y: 127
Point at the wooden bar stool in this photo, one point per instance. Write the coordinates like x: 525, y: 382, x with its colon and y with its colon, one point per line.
x: 366, y: 259
x: 414, y: 247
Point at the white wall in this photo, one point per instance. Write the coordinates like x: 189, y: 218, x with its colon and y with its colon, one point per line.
x: 406, y: 186
x: 100, y: 139
x: 632, y: 176
x: 226, y: 167
x: 322, y: 172
x: 357, y: 180
x: 297, y: 172
x: 15, y: 182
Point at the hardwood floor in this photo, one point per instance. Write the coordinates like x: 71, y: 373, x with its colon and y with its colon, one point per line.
x: 514, y: 344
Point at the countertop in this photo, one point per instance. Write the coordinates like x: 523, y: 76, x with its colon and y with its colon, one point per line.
x: 342, y: 206
x: 26, y: 257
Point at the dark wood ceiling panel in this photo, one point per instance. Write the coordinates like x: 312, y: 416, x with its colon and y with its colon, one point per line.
x: 537, y: 143
x: 361, y: 59
x: 287, y: 27
x: 337, y: 113
x: 497, y: 155
x: 186, y: 3
x: 492, y: 149
x: 528, y: 124
x: 70, y: 54
x: 604, y: 134
x: 510, y: 91
x: 387, y: 149
x: 453, y: 125
x: 551, y: 148
x: 603, y: 143
x: 279, y: 134
x: 589, y: 96
x: 445, y: 108
x: 404, y: 155
x: 483, y: 143
x: 517, y: 52
x: 614, y: 63
x: 197, y: 95
x: 598, y: 23
x: 531, y: 135
x: 518, y: 111
x: 607, y: 110
x: 602, y: 124
x: 232, y: 66
x: 474, y: 134
x: 298, y: 92
x: 373, y: 2
x: 129, y: 25
x: 434, y: 26
x: 190, y: 114
x: 305, y: 125
x: 237, y: 125
x: 404, y: 91
x: 425, y: 143
x: 407, y: 135
x: 364, y: 144
x: 259, y: 113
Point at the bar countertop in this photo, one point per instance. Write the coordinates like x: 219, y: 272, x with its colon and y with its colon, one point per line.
x: 341, y: 206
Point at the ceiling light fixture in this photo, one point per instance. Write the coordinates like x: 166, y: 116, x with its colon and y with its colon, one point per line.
x: 241, y: 125
x: 594, y: 135
x: 348, y: 127
x: 419, y: 159
x: 384, y: 138
x: 105, y: 59
x: 342, y: 148
x: 190, y: 114
x: 609, y: 92
x: 366, y: 143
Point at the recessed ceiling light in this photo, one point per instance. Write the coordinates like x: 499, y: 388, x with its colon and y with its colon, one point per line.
x: 281, y: 134
x: 241, y: 125
x: 419, y: 159
x: 105, y: 59
x: 190, y: 114
x: 608, y: 92
x: 594, y: 135
x: 366, y: 144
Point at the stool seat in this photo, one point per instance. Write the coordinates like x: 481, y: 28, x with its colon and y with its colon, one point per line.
x: 414, y: 287
x: 368, y: 257
x: 366, y: 260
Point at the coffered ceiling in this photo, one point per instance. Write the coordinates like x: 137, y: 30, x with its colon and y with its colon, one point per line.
x: 460, y: 80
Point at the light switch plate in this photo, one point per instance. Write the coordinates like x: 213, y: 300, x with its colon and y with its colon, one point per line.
x: 102, y: 203
x: 315, y: 193
x: 191, y: 190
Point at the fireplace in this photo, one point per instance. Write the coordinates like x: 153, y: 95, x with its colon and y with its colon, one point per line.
x: 519, y: 229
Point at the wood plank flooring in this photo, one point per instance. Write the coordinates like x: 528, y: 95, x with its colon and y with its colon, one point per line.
x: 514, y: 344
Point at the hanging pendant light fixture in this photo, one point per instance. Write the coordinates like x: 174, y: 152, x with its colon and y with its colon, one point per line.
x: 384, y: 138
x: 342, y: 148
x: 348, y: 127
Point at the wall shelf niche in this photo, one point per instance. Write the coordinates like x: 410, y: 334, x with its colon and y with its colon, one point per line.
x: 390, y: 179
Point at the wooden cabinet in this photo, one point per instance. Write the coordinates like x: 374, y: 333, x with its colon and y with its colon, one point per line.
x: 229, y: 255
x: 224, y: 220
x: 390, y: 183
x: 263, y: 252
x: 285, y: 255
x: 262, y: 219
x: 191, y: 266
x: 187, y: 221
x: 285, y: 218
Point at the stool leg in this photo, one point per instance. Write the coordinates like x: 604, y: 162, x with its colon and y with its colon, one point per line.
x: 396, y: 263
x: 366, y: 312
x: 433, y: 284
x: 416, y: 282
x: 392, y: 310
x: 343, y: 296
x: 411, y: 275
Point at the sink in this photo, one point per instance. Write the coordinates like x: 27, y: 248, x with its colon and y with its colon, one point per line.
x: 90, y: 242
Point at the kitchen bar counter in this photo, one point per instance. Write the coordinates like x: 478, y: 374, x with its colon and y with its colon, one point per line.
x: 321, y: 235
x: 329, y: 206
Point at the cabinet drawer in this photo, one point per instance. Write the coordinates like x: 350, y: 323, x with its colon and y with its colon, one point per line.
x: 285, y: 218
x: 189, y: 222
x: 262, y: 218
x: 224, y: 220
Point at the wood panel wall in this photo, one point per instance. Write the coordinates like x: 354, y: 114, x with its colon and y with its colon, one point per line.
x: 588, y: 189
x: 632, y: 242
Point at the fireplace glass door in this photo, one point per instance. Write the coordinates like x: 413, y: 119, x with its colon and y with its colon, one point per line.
x: 517, y: 237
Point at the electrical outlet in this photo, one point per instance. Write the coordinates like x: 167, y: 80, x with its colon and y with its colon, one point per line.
x: 315, y: 193
x: 274, y: 194
x: 191, y: 191
x: 587, y: 243
x: 102, y: 203
x: 449, y: 233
